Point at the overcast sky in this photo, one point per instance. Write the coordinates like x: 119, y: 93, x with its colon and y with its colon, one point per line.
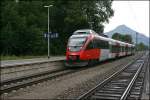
x: 134, y: 14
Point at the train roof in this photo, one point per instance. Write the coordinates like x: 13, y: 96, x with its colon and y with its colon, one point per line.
x: 113, y: 40
x: 87, y: 32
x: 84, y: 31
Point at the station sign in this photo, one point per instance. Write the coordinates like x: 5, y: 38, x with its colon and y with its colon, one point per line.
x: 51, y: 35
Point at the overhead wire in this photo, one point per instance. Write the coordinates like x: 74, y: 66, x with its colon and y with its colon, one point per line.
x: 134, y: 15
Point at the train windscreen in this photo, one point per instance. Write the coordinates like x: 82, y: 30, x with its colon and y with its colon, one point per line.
x: 81, y: 33
x: 75, y: 44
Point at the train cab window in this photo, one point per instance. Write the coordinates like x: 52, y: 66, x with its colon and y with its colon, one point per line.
x: 76, y: 33
x: 75, y: 44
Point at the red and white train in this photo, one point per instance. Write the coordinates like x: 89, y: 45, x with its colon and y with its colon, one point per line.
x: 86, y: 46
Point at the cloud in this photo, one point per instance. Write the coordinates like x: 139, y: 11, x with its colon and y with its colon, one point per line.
x: 134, y: 14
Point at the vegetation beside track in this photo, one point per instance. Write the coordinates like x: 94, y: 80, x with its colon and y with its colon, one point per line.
x: 13, y: 57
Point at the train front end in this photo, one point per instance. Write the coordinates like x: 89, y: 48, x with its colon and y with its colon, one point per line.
x: 75, y: 53
x: 75, y: 48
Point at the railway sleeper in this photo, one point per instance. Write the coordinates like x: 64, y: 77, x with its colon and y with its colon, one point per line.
x: 138, y: 83
x: 120, y: 80
x: 135, y: 93
x: 115, y: 87
x: 134, y: 96
x: 108, y: 94
x: 110, y: 91
x: 126, y: 74
x: 125, y: 77
x: 119, y: 84
x: 103, y: 97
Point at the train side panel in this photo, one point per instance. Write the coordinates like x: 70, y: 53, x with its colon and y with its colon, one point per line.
x: 104, y: 54
x: 90, y: 54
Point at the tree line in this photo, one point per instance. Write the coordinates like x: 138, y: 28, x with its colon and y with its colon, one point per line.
x: 125, y: 38
x: 128, y: 38
x: 24, y: 22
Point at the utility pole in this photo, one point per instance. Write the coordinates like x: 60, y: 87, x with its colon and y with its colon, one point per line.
x: 16, y: 1
x: 136, y: 41
x: 91, y: 24
x: 48, y: 35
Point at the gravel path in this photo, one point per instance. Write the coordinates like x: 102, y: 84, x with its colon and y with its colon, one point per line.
x: 70, y: 86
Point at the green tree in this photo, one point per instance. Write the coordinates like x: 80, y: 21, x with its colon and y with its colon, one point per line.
x: 125, y: 38
x: 141, y: 47
x: 97, y: 12
x: 21, y: 27
x: 117, y: 36
x: 24, y: 22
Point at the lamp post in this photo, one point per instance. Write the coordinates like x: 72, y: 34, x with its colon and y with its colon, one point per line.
x: 48, y: 35
x: 91, y: 24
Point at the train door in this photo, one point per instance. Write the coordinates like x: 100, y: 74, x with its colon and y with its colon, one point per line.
x: 126, y: 50
x: 110, y: 50
x: 104, y: 50
x: 117, y: 49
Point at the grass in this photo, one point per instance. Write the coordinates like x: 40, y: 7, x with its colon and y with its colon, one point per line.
x: 13, y: 57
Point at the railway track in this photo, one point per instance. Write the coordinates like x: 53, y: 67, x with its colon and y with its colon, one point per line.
x: 8, y: 69
x: 14, y: 84
x: 126, y: 83
x: 21, y: 82
x: 13, y: 72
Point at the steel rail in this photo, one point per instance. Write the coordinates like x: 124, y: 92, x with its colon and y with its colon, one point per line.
x: 126, y: 92
x: 100, y: 85
x: 105, y: 81
x: 33, y: 81
x: 30, y: 82
x: 5, y: 82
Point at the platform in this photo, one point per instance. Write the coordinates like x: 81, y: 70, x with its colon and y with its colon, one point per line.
x: 6, y: 63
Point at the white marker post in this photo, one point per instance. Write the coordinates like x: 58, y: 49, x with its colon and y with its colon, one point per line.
x: 48, y: 35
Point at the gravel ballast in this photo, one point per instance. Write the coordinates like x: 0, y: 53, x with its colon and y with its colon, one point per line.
x: 73, y: 85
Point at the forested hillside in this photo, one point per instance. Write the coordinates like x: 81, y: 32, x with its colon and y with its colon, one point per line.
x: 23, y: 23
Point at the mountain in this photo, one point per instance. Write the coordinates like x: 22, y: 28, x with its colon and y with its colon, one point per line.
x: 123, y: 29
